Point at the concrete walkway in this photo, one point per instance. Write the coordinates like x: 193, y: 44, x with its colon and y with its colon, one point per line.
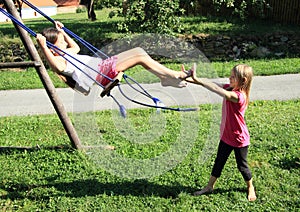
x: 33, y: 102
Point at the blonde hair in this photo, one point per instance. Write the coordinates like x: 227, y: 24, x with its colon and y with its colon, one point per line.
x: 244, y: 75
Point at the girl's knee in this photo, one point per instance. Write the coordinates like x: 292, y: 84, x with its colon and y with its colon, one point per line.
x: 139, y: 51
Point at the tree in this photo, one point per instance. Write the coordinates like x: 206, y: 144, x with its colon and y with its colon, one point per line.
x: 18, y: 4
x: 243, y: 8
x: 90, y: 8
x: 157, y: 16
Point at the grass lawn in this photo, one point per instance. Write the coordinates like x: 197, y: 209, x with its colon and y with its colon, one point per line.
x: 58, y: 178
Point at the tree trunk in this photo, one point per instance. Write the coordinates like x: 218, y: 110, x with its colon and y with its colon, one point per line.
x: 90, y: 8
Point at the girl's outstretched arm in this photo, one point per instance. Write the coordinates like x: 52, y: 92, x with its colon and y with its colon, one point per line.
x: 229, y: 95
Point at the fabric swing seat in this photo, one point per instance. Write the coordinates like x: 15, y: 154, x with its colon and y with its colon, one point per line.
x: 81, y: 76
x: 115, y: 81
x: 72, y: 84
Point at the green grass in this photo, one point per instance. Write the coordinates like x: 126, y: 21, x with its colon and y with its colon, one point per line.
x: 58, y: 178
x: 103, y: 28
x: 233, y: 26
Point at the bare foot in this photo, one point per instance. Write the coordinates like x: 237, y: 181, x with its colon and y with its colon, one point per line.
x: 206, y: 190
x: 178, y: 80
x: 251, y: 194
x: 174, y: 82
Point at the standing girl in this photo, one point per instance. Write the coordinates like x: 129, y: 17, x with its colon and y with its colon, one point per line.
x: 234, y: 135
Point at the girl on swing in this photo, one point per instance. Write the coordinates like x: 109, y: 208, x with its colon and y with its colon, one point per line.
x: 110, y: 67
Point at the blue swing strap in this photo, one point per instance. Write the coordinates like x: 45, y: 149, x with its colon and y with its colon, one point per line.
x: 157, y: 106
x: 143, y: 91
x: 92, y: 48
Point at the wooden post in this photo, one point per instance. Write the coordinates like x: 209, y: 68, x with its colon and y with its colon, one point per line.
x: 46, y: 80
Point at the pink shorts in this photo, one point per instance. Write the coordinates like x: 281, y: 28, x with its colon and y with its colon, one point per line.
x: 108, y: 68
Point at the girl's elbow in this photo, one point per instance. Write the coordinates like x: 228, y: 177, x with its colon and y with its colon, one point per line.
x: 58, y: 69
x: 77, y: 50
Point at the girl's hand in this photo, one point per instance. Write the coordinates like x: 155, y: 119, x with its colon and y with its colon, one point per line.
x: 41, y: 40
x: 59, y: 25
x: 192, y: 78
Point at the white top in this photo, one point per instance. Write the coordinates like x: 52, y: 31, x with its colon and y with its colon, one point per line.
x: 83, y: 72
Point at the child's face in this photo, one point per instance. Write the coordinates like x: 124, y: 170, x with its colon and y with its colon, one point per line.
x: 60, y: 42
x: 233, y: 80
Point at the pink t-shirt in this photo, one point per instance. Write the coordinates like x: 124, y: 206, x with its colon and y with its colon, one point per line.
x: 234, y: 131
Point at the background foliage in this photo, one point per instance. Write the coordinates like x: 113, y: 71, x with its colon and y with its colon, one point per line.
x: 242, y: 8
x: 163, y: 16
x: 150, y: 16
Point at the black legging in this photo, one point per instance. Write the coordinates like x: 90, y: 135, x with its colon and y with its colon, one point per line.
x: 224, y: 151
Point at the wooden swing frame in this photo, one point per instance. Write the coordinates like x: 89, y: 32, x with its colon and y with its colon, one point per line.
x: 37, y: 63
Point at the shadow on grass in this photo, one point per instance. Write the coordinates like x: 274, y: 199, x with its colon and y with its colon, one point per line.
x: 92, y: 187
x: 85, y: 187
x: 224, y: 191
x: 6, y: 150
x: 289, y: 163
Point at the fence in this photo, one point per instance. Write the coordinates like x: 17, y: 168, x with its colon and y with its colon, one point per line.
x: 284, y: 11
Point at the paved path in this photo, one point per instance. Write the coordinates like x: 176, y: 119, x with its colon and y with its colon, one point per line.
x: 32, y: 102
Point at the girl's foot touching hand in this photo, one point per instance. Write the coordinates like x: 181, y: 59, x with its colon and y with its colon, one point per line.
x: 178, y: 81
x: 190, y: 74
x: 181, y: 79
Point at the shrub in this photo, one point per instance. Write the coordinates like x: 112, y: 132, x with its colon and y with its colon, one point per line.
x: 156, y: 16
x: 100, y: 4
x: 243, y: 8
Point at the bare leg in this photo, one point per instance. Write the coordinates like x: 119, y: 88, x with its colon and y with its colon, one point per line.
x: 251, y: 191
x: 209, y: 188
x: 138, y: 56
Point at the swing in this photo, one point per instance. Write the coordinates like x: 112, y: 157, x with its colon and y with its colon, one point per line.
x: 67, y: 79
x: 112, y: 82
